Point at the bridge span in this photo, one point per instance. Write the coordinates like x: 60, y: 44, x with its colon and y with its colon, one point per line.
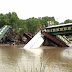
x: 54, y: 34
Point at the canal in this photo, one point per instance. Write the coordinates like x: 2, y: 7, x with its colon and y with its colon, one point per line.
x: 43, y: 59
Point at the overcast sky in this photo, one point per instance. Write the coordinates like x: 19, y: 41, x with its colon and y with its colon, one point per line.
x: 60, y: 9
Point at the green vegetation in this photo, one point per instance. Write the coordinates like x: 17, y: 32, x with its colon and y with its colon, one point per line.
x: 67, y: 21
x: 28, y: 25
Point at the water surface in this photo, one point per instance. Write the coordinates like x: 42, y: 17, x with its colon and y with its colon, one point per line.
x: 43, y: 59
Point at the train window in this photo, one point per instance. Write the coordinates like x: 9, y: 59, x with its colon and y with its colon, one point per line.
x: 63, y: 28
x: 59, y: 29
x: 52, y: 30
x: 67, y: 28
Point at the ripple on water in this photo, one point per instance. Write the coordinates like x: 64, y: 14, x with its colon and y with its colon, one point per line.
x: 67, y: 53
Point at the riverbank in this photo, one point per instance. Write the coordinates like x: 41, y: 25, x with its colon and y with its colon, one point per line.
x: 8, y: 45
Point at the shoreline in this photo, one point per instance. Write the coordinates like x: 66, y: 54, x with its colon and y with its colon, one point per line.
x: 11, y: 45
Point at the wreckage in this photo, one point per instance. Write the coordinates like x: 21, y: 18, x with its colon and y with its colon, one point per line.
x: 8, y: 36
x: 51, y: 36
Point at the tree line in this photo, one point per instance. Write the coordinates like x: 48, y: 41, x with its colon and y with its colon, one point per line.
x: 29, y: 25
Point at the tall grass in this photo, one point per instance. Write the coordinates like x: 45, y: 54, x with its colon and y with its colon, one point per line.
x: 39, y: 68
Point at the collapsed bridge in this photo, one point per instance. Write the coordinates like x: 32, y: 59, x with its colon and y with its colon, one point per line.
x: 54, y: 34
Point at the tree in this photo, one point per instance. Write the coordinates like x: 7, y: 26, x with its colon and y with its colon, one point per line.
x: 33, y: 24
x: 28, y: 25
x: 3, y: 20
x: 68, y: 21
x: 45, y: 19
x: 22, y: 27
x: 13, y: 19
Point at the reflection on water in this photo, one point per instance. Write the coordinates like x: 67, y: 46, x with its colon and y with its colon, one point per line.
x: 43, y: 59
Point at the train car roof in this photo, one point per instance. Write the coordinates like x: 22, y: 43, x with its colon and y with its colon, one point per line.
x: 59, y: 25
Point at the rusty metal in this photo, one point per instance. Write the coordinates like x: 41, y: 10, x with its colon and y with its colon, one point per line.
x: 27, y: 36
x: 54, y: 39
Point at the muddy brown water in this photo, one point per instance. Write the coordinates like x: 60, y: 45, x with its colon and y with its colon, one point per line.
x: 43, y: 59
